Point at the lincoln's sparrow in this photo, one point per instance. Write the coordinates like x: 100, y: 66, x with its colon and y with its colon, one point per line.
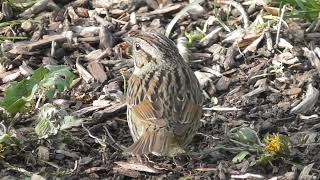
x: 163, y: 96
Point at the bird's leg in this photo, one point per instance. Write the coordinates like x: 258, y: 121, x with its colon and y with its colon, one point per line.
x: 139, y: 159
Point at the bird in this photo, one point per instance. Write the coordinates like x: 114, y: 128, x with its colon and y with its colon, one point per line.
x: 164, y: 98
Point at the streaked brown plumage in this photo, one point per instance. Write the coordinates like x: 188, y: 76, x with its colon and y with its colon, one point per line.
x: 164, y: 97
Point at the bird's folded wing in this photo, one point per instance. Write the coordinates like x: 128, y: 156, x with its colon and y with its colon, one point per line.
x: 149, y: 112
x: 186, y: 114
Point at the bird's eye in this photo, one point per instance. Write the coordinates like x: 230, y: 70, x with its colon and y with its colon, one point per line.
x: 137, y: 46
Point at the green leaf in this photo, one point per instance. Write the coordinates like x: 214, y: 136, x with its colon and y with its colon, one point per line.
x: 194, y: 36
x: 51, y: 120
x: 245, y: 135
x: 45, y: 128
x: 19, y: 95
x: 21, y: 4
x: 4, y: 137
x: 50, y: 93
x: 264, y: 159
x: 39, y: 74
x: 59, y: 77
x: 61, y: 71
x: 309, y: 9
x: 55, y: 81
x: 240, y: 157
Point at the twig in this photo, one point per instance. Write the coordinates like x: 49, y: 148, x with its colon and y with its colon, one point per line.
x: 39, y: 100
x: 13, y: 37
x: 268, y: 40
x: 208, y: 136
x: 119, y: 146
x: 103, y: 144
x: 247, y: 175
x: 163, y: 10
x: 124, y: 81
x: 4, y: 128
x: 219, y: 108
x: 279, y: 24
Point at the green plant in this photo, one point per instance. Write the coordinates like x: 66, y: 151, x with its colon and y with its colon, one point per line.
x: 7, y: 140
x: 194, y: 36
x: 309, y: 9
x: 45, y: 81
x: 275, y: 146
x: 277, y: 69
x: 22, y: 4
x: 52, y: 120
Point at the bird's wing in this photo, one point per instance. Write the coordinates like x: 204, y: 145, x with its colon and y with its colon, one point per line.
x: 186, y: 115
x: 149, y: 112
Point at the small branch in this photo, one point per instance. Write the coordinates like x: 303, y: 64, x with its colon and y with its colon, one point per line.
x: 279, y: 24
x: 103, y: 144
x: 219, y: 108
x: 119, y: 146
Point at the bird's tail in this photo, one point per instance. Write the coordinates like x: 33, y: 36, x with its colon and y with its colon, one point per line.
x: 159, y: 142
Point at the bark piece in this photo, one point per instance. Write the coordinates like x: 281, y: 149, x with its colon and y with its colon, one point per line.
x: 97, y: 71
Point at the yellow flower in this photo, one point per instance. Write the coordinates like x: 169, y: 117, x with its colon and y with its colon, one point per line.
x: 275, y: 144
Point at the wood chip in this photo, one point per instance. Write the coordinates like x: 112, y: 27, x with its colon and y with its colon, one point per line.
x: 292, y: 91
x: 26, y: 47
x: 36, y: 8
x: 127, y: 172
x: 68, y: 154
x: 111, y: 111
x: 203, y: 78
x: 11, y: 77
x: 97, y: 70
x: 87, y: 110
x: 311, y: 55
x: 223, y: 84
x: 106, y: 39
x: 137, y: 167
x: 37, y: 177
x: 84, y: 73
x: 25, y: 70
x: 308, y: 102
x: 305, y: 172
x: 43, y: 153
